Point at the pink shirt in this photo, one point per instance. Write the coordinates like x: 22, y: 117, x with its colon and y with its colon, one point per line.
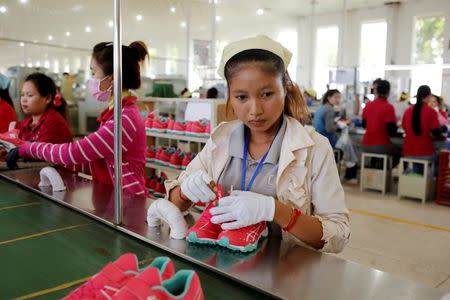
x: 99, y: 146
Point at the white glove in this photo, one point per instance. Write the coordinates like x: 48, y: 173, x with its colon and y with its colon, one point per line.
x: 242, y: 209
x: 195, y: 187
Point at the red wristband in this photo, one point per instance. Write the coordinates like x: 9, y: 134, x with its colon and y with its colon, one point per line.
x: 182, y: 197
x: 294, y: 216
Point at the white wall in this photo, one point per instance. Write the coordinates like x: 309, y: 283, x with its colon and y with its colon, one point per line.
x: 400, y: 22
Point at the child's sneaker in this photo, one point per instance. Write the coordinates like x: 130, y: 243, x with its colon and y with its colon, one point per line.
x: 243, y: 239
x: 204, y: 231
x: 109, y: 280
x: 186, y: 160
x: 160, y: 189
x: 170, y: 125
x: 184, y: 285
x: 179, y: 127
x: 160, y: 125
x: 176, y: 160
x: 149, y: 122
x: 196, y: 129
x: 150, y: 153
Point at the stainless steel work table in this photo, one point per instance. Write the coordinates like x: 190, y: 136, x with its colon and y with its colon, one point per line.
x: 276, y: 268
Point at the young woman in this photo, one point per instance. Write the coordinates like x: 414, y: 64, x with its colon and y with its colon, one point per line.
x: 420, y: 122
x: 7, y: 113
x: 436, y: 104
x: 46, y: 110
x: 94, y: 154
x: 275, y: 168
x: 323, y: 121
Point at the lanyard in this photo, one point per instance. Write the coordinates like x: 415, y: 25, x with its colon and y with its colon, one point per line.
x: 244, y: 164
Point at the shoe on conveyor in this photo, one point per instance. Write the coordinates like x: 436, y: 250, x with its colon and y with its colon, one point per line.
x: 115, y: 275
x: 244, y: 239
x: 184, y: 285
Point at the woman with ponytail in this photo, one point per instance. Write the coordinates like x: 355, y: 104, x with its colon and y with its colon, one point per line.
x: 276, y: 173
x: 420, y: 123
x: 94, y: 154
x: 7, y: 113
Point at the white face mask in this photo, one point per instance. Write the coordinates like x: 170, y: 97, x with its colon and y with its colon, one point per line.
x: 436, y: 109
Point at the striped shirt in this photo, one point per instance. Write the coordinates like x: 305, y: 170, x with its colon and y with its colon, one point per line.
x: 78, y: 156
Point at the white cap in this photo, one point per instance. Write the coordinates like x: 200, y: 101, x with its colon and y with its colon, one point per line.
x: 259, y: 42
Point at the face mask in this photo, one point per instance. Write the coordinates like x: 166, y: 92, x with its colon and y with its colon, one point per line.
x: 94, y: 88
x: 436, y: 109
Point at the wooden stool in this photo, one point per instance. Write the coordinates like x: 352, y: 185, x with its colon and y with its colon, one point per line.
x: 413, y: 184
x: 376, y: 178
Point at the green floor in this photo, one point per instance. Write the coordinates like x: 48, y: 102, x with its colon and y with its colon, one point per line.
x: 47, y: 249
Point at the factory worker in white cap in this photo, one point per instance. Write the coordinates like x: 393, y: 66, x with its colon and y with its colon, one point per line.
x: 272, y: 168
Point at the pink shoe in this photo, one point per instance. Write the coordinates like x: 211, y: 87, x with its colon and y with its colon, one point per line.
x: 196, y: 129
x: 109, y: 280
x: 204, y: 231
x: 150, y: 153
x: 243, y: 239
x: 115, y: 275
x: 160, y: 125
x: 179, y: 127
x: 149, y: 122
x: 170, y: 126
x: 184, y: 285
x: 186, y: 160
x: 176, y: 160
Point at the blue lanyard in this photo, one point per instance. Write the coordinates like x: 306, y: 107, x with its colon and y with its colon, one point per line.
x: 244, y: 164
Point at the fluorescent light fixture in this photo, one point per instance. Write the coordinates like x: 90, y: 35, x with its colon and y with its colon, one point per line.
x: 110, y: 24
x: 3, y: 9
x: 50, y: 37
x: 139, y: 18
x: 35, y: 41
x: 38, y: 64
x: 23, y: 1
x: 173, y: 9
x: 29, y: 65
x: 22, y: 44
x: 218, y: 18
x: 183, y: 24
x: 67, y: 33
x: 87, y: 29
x: 260, y: 11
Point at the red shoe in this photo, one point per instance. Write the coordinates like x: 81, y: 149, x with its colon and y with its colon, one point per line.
x: 160, y: 125
x: 150, y: 153
x: 186, y: 160
x: 170, y: 125
x: 164, y: 157
x: 243, y: 239
x: 184, y: 285
x: 207, y: 132
x: 149, y: 122
x: 152, y: 184
x: 159, y: 151
x: 160, y: 189
x: 148, y: 182
x: 203, y: 231
x: 179, y: 127
x: 196, y: 129
x: 109, y: 280
x: 176, y: 160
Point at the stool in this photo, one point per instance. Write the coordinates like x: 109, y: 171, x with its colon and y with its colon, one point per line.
x: 416, y: 184
x: 338, y: 159
x: 376, y: 178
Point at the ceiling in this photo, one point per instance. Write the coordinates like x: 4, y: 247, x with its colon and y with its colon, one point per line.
x: 160, y: 26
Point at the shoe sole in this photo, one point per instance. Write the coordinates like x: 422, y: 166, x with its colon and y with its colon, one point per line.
x: 158, y: 130
x: 192, y: 238
x: 225, y: 242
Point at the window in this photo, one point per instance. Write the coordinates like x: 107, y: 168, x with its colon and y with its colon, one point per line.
x: 327, y: 39
x: 372, y: 50
x: 428, y: 53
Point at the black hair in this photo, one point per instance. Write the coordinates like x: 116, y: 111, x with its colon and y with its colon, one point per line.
x: 423, y: 92
x: 295, y: 105
x: 132, y: 55
x: 212, y: 93
x: 4, y: 95
x: 329, y: 94
x: 47, y: 87
x: 383, y: 87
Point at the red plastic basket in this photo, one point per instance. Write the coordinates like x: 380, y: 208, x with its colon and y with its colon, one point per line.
x: 443, y: 183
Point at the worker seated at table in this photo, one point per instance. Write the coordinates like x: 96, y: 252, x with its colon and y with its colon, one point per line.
x: 271, y: 167
x: 94, y: 154
x: 378, y: 118
x: 420, y: 123
x: 436, y: 104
